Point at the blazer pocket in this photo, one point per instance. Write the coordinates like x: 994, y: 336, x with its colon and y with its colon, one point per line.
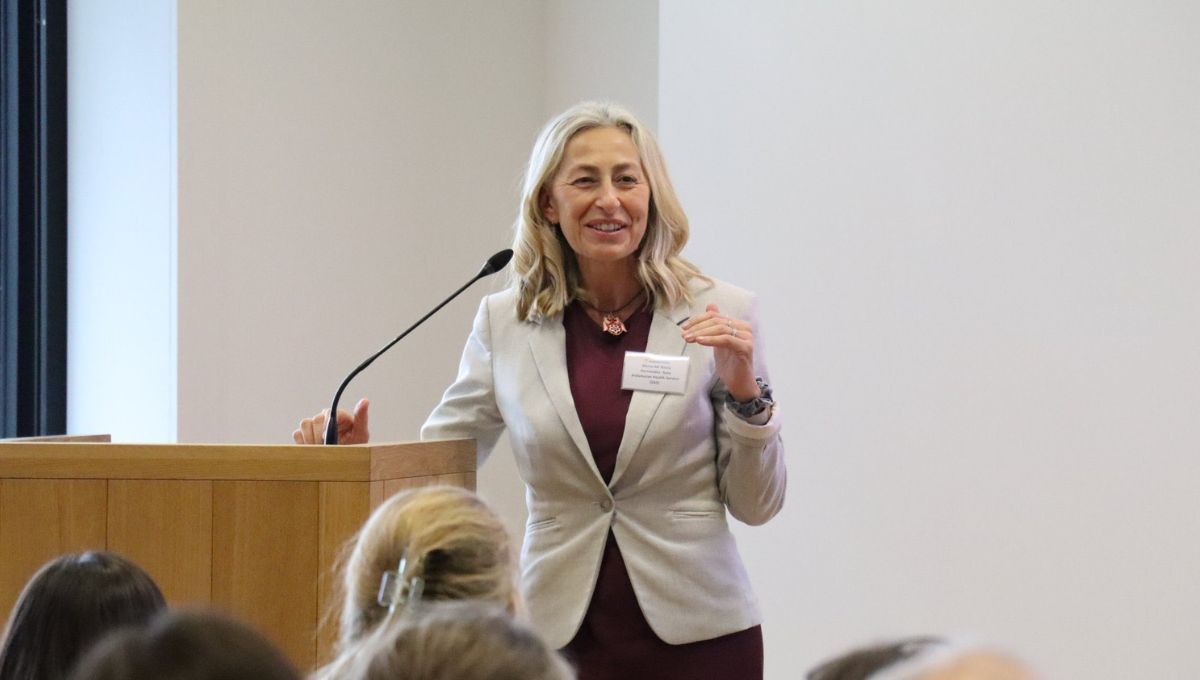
x: 695, y: 513
x: 541, y: 525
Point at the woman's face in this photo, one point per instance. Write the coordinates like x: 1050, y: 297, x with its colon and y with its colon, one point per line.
x: 599, y: 196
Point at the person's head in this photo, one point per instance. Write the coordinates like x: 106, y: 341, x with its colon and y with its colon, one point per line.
x: 70, y: 603
x: 597, y: 188
x: 186, y: 645
x: 976, y: 664
x: 450, y: 543
x: 461, y: 640
x: 925, y: 658
x: 861, y: 663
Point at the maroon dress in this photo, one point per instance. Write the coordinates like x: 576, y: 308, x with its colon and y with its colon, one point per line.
x: 614, y: 640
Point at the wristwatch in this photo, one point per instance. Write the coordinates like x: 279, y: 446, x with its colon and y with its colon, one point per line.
x: 755, y: 406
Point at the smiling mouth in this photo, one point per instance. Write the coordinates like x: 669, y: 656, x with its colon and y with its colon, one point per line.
x: 606, y: 227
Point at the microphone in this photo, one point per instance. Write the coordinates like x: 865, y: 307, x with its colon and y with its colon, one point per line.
x: 494, y: 264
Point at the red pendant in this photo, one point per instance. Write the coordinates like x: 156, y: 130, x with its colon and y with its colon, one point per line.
x: 613, y: 325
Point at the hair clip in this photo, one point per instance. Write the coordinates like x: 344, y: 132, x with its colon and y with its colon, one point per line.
x: 391, y: 587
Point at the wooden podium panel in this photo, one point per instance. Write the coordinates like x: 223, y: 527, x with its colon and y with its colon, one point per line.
x: 166, y: 527
x: 253, y: 530
x: 277, y: 521
x: 343, y: 505
x: 41, y: 519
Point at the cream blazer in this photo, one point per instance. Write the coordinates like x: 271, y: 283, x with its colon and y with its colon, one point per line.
x: 684, y: 461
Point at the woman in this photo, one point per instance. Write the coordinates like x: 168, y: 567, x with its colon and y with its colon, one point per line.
x: 463, y: 640
x: 628, y: 561
x: 72, y: 602
x: 188, y: 645
x: 428, y: 544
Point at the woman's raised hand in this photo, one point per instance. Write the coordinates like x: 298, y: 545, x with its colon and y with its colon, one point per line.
x: 352, y: 427
x: 732, y: 341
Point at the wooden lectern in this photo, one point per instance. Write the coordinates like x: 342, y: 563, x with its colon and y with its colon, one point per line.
x: 251, y: 530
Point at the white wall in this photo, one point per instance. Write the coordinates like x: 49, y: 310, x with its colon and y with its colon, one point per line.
x: 121, y: 209
x: 974, y: 228
x: 342, y: 171
x: 603, y: 51
x: 339, y: 172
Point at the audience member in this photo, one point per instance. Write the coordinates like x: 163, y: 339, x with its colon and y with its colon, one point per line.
x: 450, y: 641
x: 68, y: 605
x: 186, y: 645
x: 925, y: 658
x: 430, y: 543
x: 861, y: 663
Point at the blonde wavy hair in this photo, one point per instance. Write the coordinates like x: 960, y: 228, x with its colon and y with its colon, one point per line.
x: 545, y: 272
x: 451, y: 540
x: 460, y: 640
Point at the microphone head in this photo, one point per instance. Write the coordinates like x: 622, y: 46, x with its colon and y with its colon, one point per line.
x: 496, y: 262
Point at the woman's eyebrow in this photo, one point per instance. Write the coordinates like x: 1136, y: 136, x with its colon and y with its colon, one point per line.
x: 583, y: 167
x: 620, y: 167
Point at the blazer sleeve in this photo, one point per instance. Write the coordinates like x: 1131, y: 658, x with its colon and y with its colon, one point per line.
x: 468, y: 409
x: 750, y: 469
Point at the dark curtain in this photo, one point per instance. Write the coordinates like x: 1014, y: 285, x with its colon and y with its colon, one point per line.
x: 33, y: 206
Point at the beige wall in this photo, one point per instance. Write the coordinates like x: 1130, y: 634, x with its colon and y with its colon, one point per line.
x: 974, y: 228
x: 342, y: 171
x: 603, y: 50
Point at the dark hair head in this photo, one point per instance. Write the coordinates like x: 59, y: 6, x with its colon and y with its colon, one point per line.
x: 69, y: 604
x: 862, y: 663
x: 186, y: 645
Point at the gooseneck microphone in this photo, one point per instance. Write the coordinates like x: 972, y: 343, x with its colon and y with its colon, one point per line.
x: 494, y: 264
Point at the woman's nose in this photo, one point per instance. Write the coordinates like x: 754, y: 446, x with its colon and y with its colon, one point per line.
x: 608, y: 197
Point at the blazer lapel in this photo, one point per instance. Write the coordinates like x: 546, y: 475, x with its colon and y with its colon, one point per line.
x: 665, y: 338
x: 548, y: 343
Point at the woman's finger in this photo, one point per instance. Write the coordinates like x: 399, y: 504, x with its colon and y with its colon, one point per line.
x: 362, y: 432
x: 352, y: 427
x: 718, y: 326
x: 742, y: 344
x: 307, y: 426
x: 709, y: 312
x: 317, y: 434
x: 693, y: 322
x: 345, y: 425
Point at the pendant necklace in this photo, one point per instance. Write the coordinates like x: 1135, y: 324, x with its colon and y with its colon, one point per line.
x: 612, y: 323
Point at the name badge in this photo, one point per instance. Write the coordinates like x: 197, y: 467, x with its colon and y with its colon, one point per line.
x: 654, y: 373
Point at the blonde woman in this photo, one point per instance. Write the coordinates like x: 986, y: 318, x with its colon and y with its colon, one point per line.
x: 466, y: 640
x: 635, y: 395
x: 421, y: 545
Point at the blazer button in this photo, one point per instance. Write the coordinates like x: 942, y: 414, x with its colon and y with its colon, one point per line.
x: 606, y: 505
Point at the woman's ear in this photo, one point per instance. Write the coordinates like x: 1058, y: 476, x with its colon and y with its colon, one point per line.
x: 546, y: 203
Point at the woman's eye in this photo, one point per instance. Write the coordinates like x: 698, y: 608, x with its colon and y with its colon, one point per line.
x: 627, y: 179
x: 583, y: 181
